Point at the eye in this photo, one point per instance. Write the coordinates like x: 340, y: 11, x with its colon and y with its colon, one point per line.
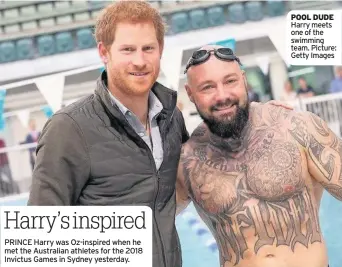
x: 128, y: 49
x: 209, y: 86
x: 229, y: 81
x: 148, y: 48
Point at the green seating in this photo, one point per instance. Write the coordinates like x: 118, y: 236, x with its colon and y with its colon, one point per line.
x: 25, y: 49
x: 180, y: 22
x: 46, y: 45
x: 34, y: 36
x: 64, y: 42
x: 85, y: 39
x: 254, y: 11
x: 216, y: 16
x: 275, y: 8
x: 198, y: 19
x: 236, y: 13
x: 7, y: 52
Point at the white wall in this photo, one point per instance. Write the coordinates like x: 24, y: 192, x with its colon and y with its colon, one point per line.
x: 278, y: 76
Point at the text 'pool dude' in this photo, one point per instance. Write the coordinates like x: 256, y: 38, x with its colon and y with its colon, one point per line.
x: 300, y: 45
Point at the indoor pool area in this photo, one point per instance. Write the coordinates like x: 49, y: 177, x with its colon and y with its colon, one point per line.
x: 199, y: 248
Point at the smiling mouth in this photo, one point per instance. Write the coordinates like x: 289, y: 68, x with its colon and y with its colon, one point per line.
x: 224, y: 108
x: 139, y: 73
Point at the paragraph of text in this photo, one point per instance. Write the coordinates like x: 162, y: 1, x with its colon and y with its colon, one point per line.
x: 101, y: 236
x: 314, y: 37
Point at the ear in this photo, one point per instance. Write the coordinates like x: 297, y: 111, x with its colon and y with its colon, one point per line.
x: 103, y: 52
x: 243, y: 73
x: 244, y: 77
x: 161, y: 49
x: 188, y: 91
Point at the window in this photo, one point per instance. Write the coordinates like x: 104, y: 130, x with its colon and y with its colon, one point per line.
x: 259, y: 82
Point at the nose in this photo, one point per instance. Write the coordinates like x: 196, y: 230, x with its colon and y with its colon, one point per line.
x: 222, y: 93
x: 139, y: 59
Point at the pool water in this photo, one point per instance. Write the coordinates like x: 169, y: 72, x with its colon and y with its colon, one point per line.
x: 197, y: 243
x: 195, y: 249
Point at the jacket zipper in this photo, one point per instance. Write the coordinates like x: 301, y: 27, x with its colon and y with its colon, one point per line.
x: 155, y: 206
x: 156, y: 197
x: 156, y: 194
x: 156, y: 172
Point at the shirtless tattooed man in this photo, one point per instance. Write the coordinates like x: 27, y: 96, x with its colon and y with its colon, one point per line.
x: 256, y: 173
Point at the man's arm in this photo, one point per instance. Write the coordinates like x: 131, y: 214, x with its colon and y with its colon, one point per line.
x: 62, y: 166
x: 323, y: 149
x: 182, y: 193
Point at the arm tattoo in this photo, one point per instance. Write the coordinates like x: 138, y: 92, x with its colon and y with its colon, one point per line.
x: 333, y: 189
x: 324, y: 149
x: 277, y: 113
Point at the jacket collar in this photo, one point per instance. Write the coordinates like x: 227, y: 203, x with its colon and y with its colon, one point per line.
x: 166, y: 96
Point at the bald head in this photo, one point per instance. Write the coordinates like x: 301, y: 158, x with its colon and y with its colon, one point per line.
x: 194, y: 71
x: 206, y: 47
x: 213, y: 63
x: 210, y: 47
x: 217, y: 87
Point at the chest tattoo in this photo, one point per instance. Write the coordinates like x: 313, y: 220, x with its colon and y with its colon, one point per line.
x: 262, y: 193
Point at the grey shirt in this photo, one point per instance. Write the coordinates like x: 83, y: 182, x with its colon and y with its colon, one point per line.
x: 153, y: 141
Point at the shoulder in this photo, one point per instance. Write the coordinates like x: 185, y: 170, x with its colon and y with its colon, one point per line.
x: 309, y: 129
x: 69, y: 118
x: 77, y: 106
x: 286, y: 119
x: 310, y: 122
x: 306, y: 117
x: 200, y: 134
x: 85, y: 112
x: 197, y: 143
x: 269, y: 114
x: 178, y: 115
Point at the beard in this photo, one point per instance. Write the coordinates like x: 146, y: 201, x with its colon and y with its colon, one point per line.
x: 126, y: 83
x: 227, y: 127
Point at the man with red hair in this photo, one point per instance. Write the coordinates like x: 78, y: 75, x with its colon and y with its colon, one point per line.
x: 120, y: 145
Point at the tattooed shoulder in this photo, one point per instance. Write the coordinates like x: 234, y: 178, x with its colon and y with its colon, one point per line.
x: 304, y: 127
x: 269, y: 115
x: 200, y: 134
x: 197, y: 139
x: 276, y: 114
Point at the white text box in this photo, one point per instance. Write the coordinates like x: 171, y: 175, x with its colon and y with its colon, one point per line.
x: 314, y: 37
x: 76, y: 236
